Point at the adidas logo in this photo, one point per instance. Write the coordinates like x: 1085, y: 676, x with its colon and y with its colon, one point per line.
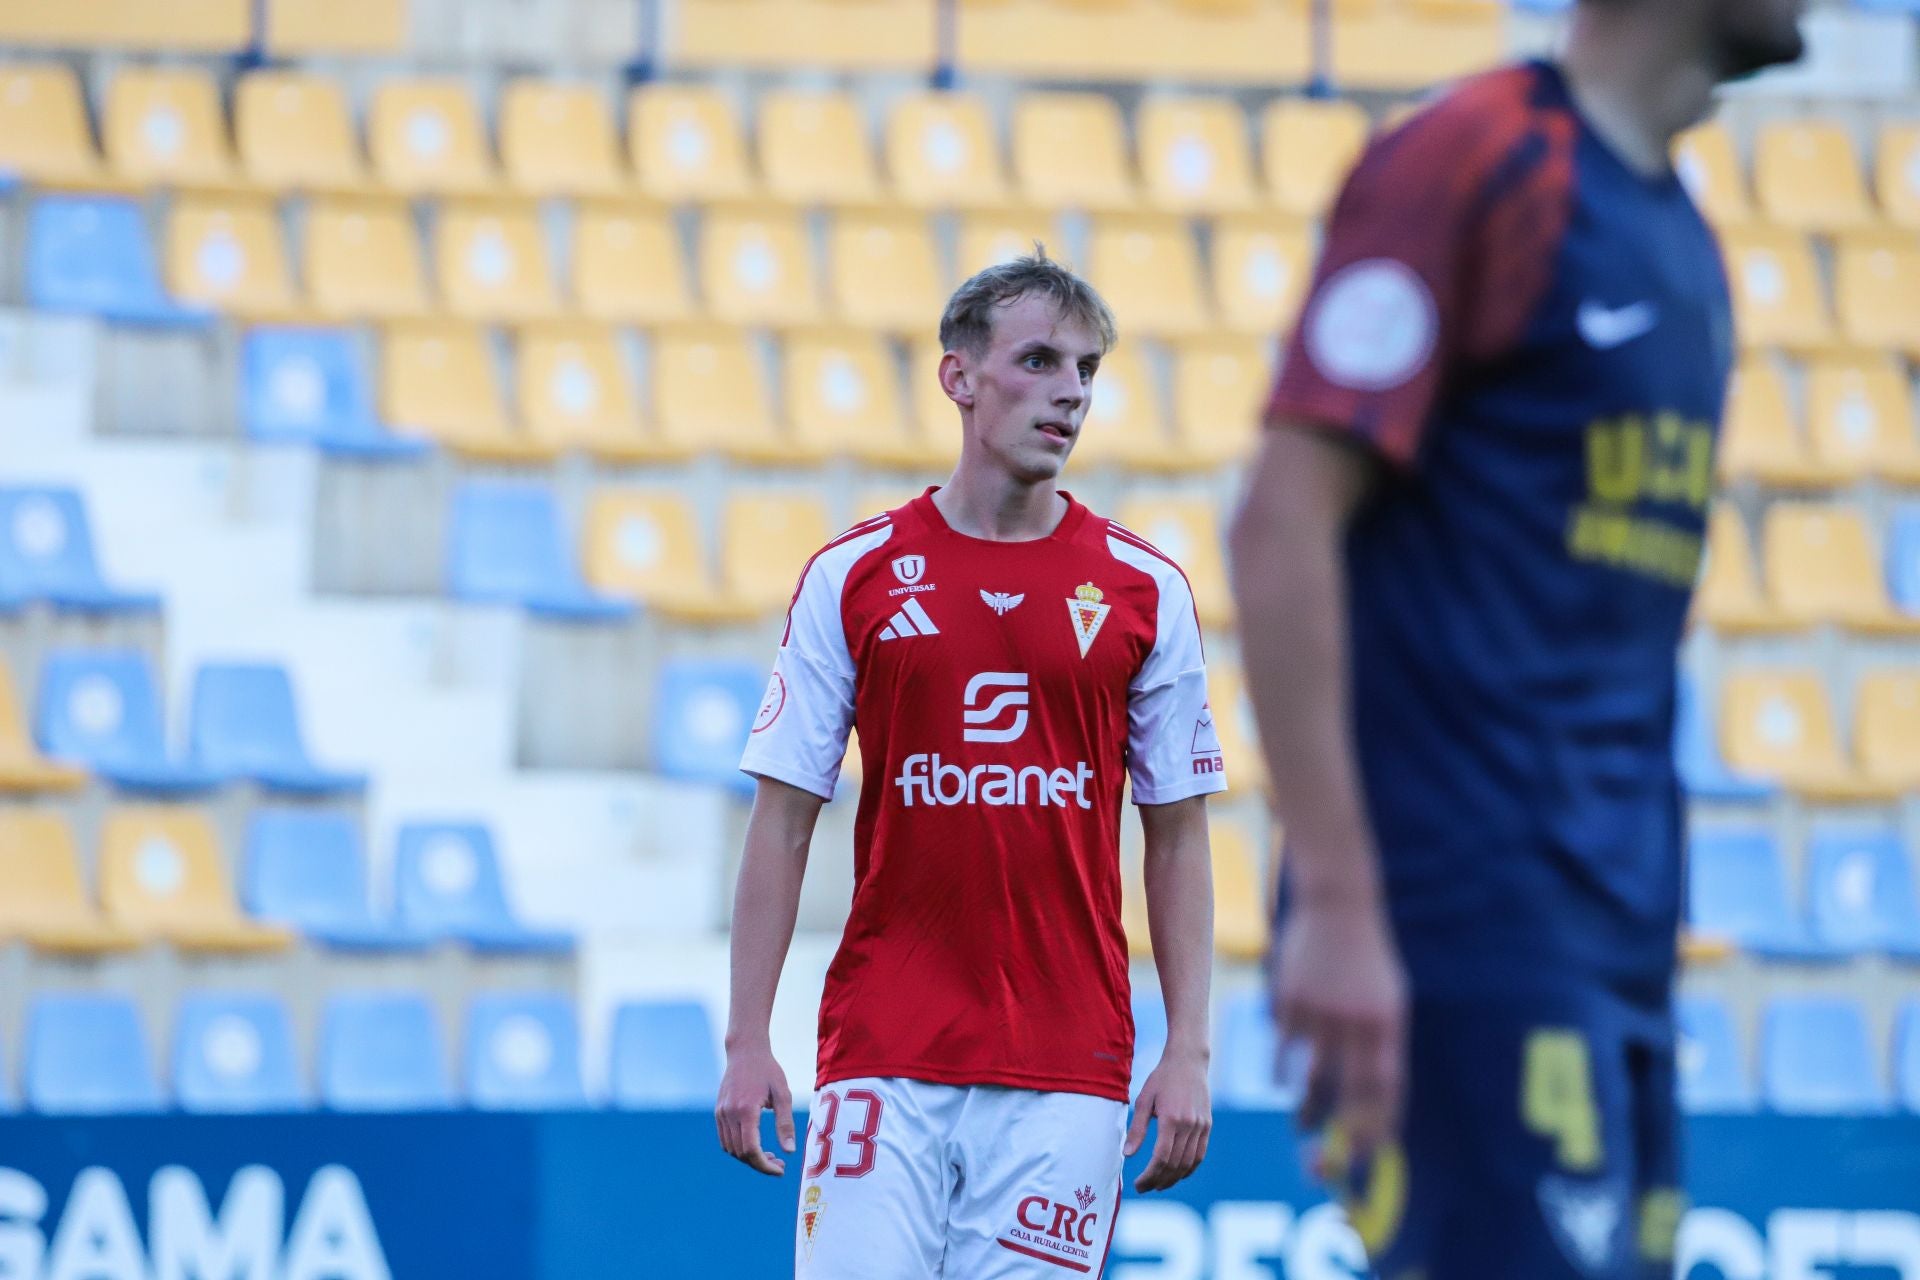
x: 910, y: 620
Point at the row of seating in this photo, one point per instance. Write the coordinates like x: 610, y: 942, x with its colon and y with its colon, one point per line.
x: 1806, y: 175
x: 1781, y: 296
x: 1816, y: 1057
x: 1854, y: 421
x: 1858, y: 892
x: 1818, y: 564
x: 282, y: 28
x: 163, y: 878
x: 1774, y: 728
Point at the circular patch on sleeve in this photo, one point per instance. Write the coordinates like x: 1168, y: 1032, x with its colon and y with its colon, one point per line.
x: 772, y: 704
x: 1373, y: 326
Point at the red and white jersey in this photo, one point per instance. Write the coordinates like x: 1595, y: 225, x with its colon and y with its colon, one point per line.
x: 1003, y: 693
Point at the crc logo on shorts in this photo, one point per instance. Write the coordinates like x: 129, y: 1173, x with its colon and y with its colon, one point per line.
x: 1373, y: 326
x: 910, y: 569
x: 996, y: 707
x: 1057, y: 1233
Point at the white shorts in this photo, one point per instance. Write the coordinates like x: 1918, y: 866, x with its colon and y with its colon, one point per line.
x: 904, y: 1180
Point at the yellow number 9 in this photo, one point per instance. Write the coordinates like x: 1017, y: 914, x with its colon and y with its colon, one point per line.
x: 1556, y: 1096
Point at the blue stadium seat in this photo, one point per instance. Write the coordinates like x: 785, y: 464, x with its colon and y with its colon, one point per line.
x: 1903, y: 557
x: 664, y: 1055
x: 92, y: 254
x: 305, y: 869
x: 1816, y: 1057
x: 381, y: 1051
x: 1906, y: 1055
x: 1860, y: 886
x: 246, y: 724
x: 1249, y: 1048
x: 46, y: 553
x: 448, y: 884
x: 1713, y: 1074
x: 523, y: 1054
x: 1737, y: 890
x: 98, y: 707
x: 87, y: 1054
x: 703, y: 712
x: 1149, y: 1035
x: 509, y: 545
x: 235, y: 1053
x: 1697, y: 754
x: 310, y: 386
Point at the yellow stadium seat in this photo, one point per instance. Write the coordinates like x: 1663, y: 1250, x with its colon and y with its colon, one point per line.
x: 293, y: 132
x: 841, y: 389
x: 936, y: 418
x: 438, y: 380
x: 1261, y: 269
x: 179, y: 26
x: 42, y: 897
x: 425, y: 136
x: 1416, y: 45
x: 1194, y: 156
x: 363, y: 260
x: 1807, y: 177
x: 941, y: 152
x: 1240, y: 894
x: 1861, y: 411
x: 1776, y: 289
x: 1823, y: 566
x: 814, y: 149
x: 492, y: 263
x: 300, y: 27
x: 227, y: 254
x: 1148, y: 269
x: 686, y: 143
x: 1886, y: 727
x: 1069, y: 152
x: 44, y: 135
x: 1762, y: 440
x: 765, y: 539
x: 756, y: 267
x: 1897, y: 172
x: 22, y: 767
x: 1133, y: 906
x: 165, y: 126
x: 1877, y: 294
x: 1779, y: 724
x: 1187, y: 531
x: 1729, y: 597
x: 989, y: 239
x: 1307, y: 148
x: 1220, y: 388
x: 557, y: 140
x: 1709, y: 164
x: 781, y: 35
x: 884, y: 273
x: 710, y: 393
x: 162, y: 875
x: 1233, y: 723
x: 628, y: 266
x: 1126, y: 423
x: 646, y: 546
x: 574, y: 391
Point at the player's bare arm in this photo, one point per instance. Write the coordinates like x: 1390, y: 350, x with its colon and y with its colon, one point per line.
x: 765, y: 905
x: 1179, y: 880
x: 1338, y: 982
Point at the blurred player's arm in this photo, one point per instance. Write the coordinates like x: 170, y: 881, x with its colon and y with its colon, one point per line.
x: 1179, y: 876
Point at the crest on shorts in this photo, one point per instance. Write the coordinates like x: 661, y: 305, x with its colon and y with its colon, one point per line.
x: 1584, y: 1218
x: 1088, y: 614
x: 811, y: 1207
x: 1086, y: 1197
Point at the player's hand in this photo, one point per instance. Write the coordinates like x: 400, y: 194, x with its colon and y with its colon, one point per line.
x: 1339, y: 987
x: 752, y: 1084
x: 1177, y: 1094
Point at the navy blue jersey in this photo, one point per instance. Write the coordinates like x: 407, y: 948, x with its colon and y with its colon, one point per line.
x: 1537, y: 339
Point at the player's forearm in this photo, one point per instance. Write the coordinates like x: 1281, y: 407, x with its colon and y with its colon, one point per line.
x: 1179, y: 883
x: 765, y: 906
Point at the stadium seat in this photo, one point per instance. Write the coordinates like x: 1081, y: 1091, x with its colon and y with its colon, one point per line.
x: 448, y: 883
x: 1762, y: 440
x: 43, y: 899
x: 756, y: 267
x: 989, y: 239
x: 381, y: 1051
x: 557, y: 140
x: 814, y: 148
x: 628, y: 266
x: 438, y: 381
x: 195, y: 26
x: 1860, y: 889
x: 703, y: 710
x: 1807, y: 177
x: 1906, y: 1054
x: 1897, y: 170
x: 362, y: 261
x: 1779, y: 724
x: 294, y: 133
x: 664, y: 1056
x: 1421, y: 43
x: 1260, y: 273
x: 1251, y: 1074
x: 1822, y: 566
x: 310, y: 386
x: 710, y: 394
x: 686, y: 143
x: 1069, y: 152
x: 1886, y: 726
x: 1697, y: 753
x: 1194, y: 156
x: 1903, y: 559
x: 162, y: 875
x: 1149, y: 1035
x: 44, y: 137
x: 99, y: 708
x: 1307, y: 148
x: 765, y: 540
x: 647, y: 547
x: 1220, y: 387
x: 523, y: 1054
x: 841, y: 389
x: 491, y: 262
x: 1148, y: 269
x: 1713, y: 1074
x: 1816, y: 1058
x: 163, y: 125
x: 1737, y: 891
x: 883, y: 273
x: 305, y: 870
x: 1875, y: 284
x: 246, y: 724
x: 1710, y: 167
x: 1240, y: 894
x: 936, y: 418
x: 234, y: 1053
x: 86, y: 1054
x: 226, y: 254
x: 507, y: 545
x: 23, y: 769
x: 1862, y: 419
x: 942, y: 153
x: 1186, y: 530
x: 1728, y: 597
x: 91, y: 254
x: 1777, y: 296
x: 1126, y: 423
x: 301, y: 27
x: 575, y: 392
x: 425, y: 136
x: 1234, y: 724
x: 46, y: 554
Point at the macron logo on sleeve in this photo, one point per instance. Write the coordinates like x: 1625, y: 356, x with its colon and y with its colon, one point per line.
x: 909, y: 620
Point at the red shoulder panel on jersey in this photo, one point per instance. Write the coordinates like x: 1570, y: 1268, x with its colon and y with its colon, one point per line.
x: 864, y: 527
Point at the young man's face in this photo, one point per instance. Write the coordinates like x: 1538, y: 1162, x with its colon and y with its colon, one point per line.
x: 1029, y: 389
x: 1752, y: 35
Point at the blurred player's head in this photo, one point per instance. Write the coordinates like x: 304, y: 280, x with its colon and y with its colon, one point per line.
x: 1022, y: 342
x: 1738, y: 37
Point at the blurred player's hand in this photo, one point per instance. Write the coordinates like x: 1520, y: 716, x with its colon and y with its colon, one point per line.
x: 754, y: 1083
x: 1176, y: 1092
x: 1338, y: 986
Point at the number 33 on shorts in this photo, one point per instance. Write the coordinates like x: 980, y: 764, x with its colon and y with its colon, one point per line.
x: 860, y: 1152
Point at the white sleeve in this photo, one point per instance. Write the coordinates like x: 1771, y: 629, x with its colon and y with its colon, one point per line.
x: 1172, y: 749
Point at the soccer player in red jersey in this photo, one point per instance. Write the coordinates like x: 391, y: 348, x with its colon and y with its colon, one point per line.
x: 1010, y: 659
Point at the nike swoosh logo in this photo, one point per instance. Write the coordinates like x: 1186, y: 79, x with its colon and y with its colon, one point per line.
x: 1605, y: 328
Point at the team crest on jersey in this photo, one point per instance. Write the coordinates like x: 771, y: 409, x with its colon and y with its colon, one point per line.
x: 1088, y: 614
x: 910, y: 569
x: 812, y: 1206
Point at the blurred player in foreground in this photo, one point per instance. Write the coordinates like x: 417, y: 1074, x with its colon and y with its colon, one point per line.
x: 1009, y: 658
x: 1462, y: 569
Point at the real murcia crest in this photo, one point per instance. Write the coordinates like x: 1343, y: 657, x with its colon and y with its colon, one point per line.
x: 812, y: 1206
x: 1088, y: 614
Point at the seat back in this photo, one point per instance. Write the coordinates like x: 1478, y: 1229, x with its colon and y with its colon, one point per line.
x: 1860, y: 888
x: 644, y: 545
x: 765, y: 540
x: 664, y: 1055
x: 235, y: 1053
x: 1307, y: 148
x: 304, y: 868
x: 492, y: 263
x: 1069, y: 151
x: 46, y: 541
x: 628, y: 266
x: 363, y: 260
x: 245, y: 718
x: 883, y: 270
x: 426, y: 136
x: 1148, y: 269
x: 40, y: 878
x: 1220, y: 384
x: 438, y: 379
x: 1193, y: 154
x: 1261, y: 268
x: 941, y: 151
x: 226, y: 253
x: 43, y: 123
x: 91, y: 254
x: 1777, y: 724
x: 523, y: 1053
x: 557, y: 140
x: 1713, y: 1074
x: 447, y: 878
x: 161, y: 868
x: 1886, y: 725
x: 1816, y: 1057
x: 1736, y: 886
x: 686, y: 143
x: 1807, y: 176
x: 293, y: 131
x: 703, y: 711
x: 303, y: 385
x: 1778, y: 300
x: 756, y: 267
x: 382, y: 1051
x: 98, y: 706
x: 87, y: 1054
x: 165, y: 125
x: 1710, y: 166
x: 814, y: 149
